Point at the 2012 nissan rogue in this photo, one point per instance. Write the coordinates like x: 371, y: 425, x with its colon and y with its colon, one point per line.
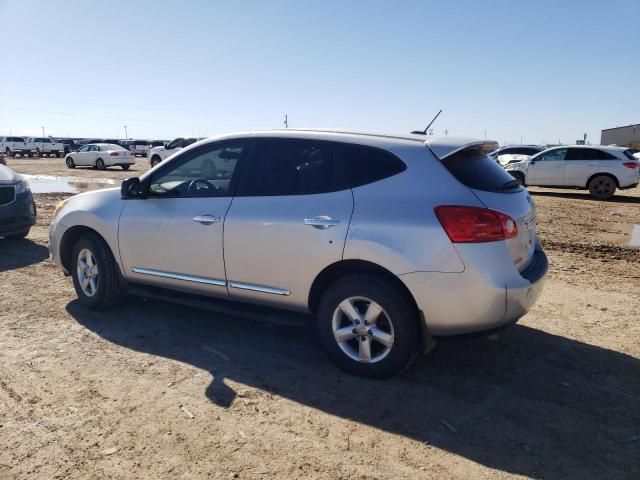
x: 385, y: 240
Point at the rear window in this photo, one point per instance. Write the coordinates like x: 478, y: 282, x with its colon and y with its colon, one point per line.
x: 15, y: 139
x: 475, y: 169
x: 630, y: 154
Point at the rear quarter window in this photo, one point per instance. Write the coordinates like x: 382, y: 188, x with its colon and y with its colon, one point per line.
x: 475, y: 169
x: 364, y: 165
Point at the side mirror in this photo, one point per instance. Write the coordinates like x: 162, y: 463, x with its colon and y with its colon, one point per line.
x: 131, y: 188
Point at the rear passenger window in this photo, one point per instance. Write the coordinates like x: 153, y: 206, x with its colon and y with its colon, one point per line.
x: 291, y: 167
x: 365, y: 165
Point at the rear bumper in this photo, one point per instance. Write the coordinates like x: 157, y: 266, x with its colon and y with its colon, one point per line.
x: 486, y: 296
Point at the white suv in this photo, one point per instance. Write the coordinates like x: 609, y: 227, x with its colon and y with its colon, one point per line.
x: 599, y: 169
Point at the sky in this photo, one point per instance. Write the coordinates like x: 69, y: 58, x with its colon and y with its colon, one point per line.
x: 512, y: 71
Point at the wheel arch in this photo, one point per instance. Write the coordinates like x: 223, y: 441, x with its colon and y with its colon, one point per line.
x: 603, y: 174
x: 343, y: 268
x: 69, y: 239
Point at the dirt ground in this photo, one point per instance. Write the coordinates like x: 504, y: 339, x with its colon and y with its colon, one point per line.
x: 153, y: 390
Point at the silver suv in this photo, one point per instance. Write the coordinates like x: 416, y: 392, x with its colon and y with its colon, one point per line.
x: 384, y: 241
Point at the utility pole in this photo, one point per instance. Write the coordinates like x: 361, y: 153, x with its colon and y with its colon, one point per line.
x: 485, y: 134
x: 286, y: 121
x: 126, y: 136
x: 446, y: 133
x: 42, y: 131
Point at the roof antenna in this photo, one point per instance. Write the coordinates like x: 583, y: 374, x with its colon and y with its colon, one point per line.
x: 424, y: 132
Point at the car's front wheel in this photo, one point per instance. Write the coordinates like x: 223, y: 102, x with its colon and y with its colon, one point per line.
x: 125, y: 167
x: 368, y: 326
x: 602, y: 187
x: 155, y: 160
x: 70, y: 163
x: 96, y: 278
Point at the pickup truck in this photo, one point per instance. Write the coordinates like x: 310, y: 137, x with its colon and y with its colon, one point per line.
x: 46, y: 146
x: 14, y: 145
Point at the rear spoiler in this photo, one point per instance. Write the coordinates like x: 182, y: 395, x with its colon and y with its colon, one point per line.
x: 445, y: 147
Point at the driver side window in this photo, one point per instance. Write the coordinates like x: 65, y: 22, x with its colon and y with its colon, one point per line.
x: 204, y: 172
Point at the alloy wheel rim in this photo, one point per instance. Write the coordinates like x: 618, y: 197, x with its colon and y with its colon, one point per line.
x: 362, y: 329
x: 87, y: 271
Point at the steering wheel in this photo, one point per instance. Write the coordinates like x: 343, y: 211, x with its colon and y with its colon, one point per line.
x: 201, y: 186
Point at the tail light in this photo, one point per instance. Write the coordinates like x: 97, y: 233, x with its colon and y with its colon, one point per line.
x: 631, y: 165
x: 114, y: 154
x: 473, y: 224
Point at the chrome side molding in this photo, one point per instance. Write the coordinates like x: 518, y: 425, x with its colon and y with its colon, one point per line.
x: 178, y: 276
x: 259, y: 288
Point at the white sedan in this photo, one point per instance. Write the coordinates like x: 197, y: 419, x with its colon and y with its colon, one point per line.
x: 100, y: 156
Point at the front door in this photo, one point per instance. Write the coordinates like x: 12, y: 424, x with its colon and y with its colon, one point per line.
x: 173, y: 237
x: 288, y: 221
x: 547, y: 169
x: 86, y: 155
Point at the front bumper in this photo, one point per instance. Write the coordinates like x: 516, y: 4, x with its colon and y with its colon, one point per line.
x: 486, y: 296
x: 17, y: 215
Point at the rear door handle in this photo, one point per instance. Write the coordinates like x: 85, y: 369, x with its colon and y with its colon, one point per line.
x: 322, y: 222
x: 206, y: 219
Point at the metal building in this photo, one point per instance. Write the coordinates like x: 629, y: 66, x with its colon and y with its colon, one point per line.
x: 628, y: 136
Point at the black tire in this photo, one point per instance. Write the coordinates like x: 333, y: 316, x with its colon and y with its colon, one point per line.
x: 602, y: 187
x: 58, y: 154
x: 125, y: 167
x: 39, y: 153
x: 109, y: 286
x: 519, y: 176
x: 100, y: 164
x: 70, y: 163
x: 155, y: 160
x: 19, y: 235
x: 399, y: 313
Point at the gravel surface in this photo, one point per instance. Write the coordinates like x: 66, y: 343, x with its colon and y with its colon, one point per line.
x: 153, y: 390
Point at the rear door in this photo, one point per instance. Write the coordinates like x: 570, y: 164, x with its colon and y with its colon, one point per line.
x: 581, y: 163
x: 547, y: 168
x: 288, y: 221
x: 498, y: 190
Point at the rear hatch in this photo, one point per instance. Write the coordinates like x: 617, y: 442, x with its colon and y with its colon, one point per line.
x: 497, y: 190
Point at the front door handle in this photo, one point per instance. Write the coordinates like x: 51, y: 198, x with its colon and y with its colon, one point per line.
x: 206, y: 219
x: 322, y: 222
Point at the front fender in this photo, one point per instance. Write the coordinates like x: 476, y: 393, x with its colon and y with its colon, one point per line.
x: 98, y: 210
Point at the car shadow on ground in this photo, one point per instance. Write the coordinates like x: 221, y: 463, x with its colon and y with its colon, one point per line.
x: 20, y: 253
x: 619, y: 197
x: 529, y: 403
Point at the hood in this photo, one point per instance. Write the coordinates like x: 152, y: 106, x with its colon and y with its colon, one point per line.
x: 9, y: 176
x: 157, y: 149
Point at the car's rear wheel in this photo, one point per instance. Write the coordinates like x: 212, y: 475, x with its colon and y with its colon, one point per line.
x: 602, y: 187
x: 96, y: 278
x: 58, y: 154
x: 100, y: 164
x: 70, y: 163
x: 368, y: 326
x: 155, y: 160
